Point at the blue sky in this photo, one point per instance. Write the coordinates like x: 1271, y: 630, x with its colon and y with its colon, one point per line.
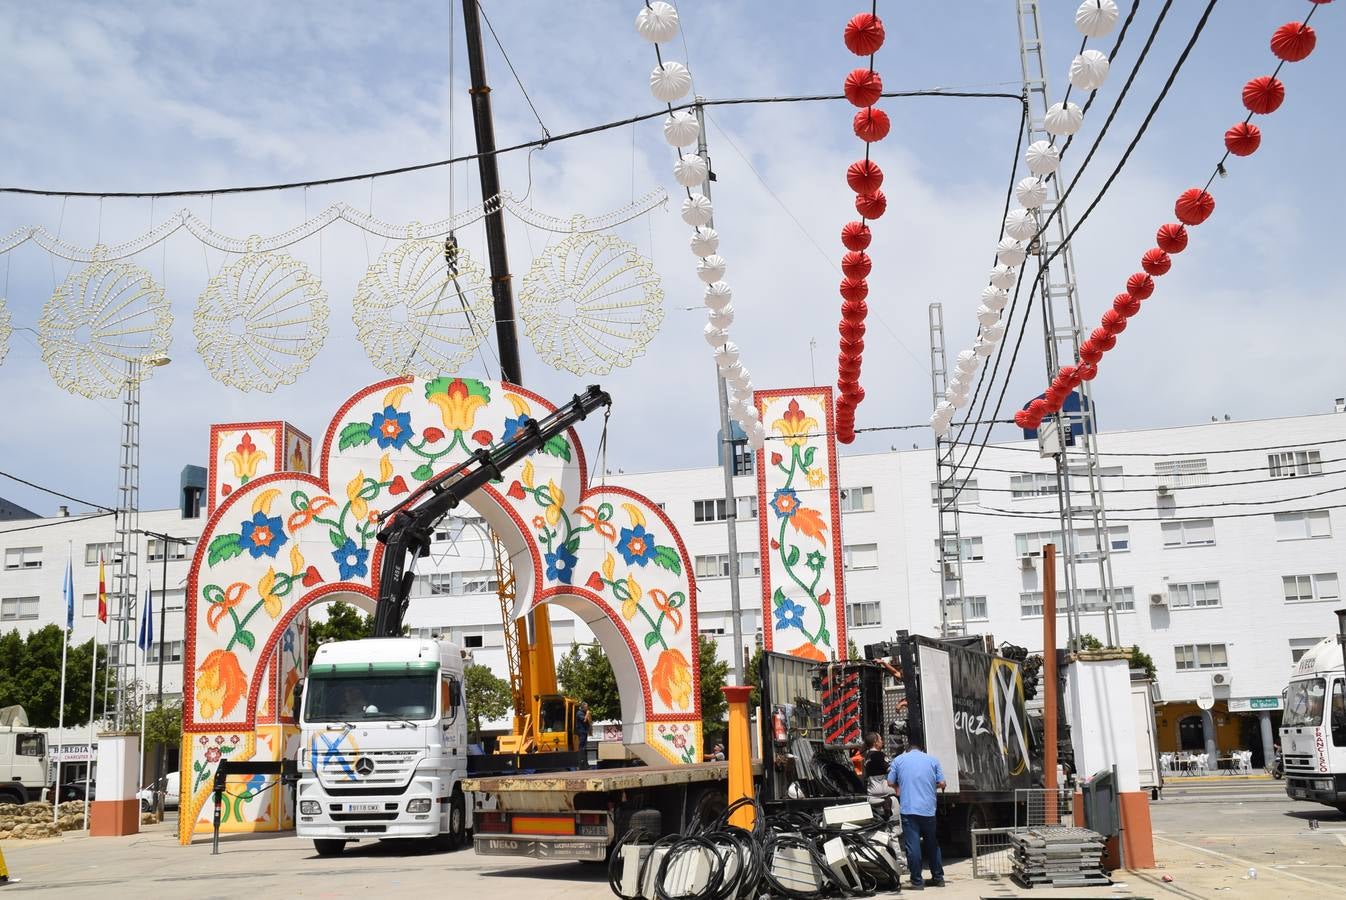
x: 136, y: 96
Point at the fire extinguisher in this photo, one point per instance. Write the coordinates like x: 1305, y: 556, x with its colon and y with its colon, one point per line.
x: 778, y: 724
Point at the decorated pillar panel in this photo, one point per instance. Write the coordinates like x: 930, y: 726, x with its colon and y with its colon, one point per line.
x: 799, y: 521
x: 245, y: 451
x: 298, y: 450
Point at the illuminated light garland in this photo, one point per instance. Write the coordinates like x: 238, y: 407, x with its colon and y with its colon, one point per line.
x: 5, y: 330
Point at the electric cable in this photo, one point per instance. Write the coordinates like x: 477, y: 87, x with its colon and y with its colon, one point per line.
x: 546, y: 134
x: 47, y: 490
x: 998, y: 513
x: 62, y: 521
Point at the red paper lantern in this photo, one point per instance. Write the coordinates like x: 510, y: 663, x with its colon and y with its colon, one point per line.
x: 1194, y: 206
x: 1263, y: 95
x: 1052, y: 400
x: 1113, y: 321
x: 864, y: 34
x: 856, y: 235
x: 864, y: 176
x: 1127, y: 305
x: 854, y: 310
x: 1243, y: 139
x: 845, y: 435
x: 1293, y: 41
x: 851, y: 330
x: 856, y: 264
x: 1037, y: 408
x: 1140, y: 285
x: 871, y: 206
x: 1087, y: 371
x: 1171, y: 238
x: 854, y: 392
x: 854, y: 288
x: 1089, y: 352
x: 854, y: 347
x: 871, y: 124
x: 1102, y: 340
x: 1068, y: 375
x: 1156, y: 261
x: 845, y: 408
x: 1022, y: 419
x: 848, y: 367
x: 863, y: 87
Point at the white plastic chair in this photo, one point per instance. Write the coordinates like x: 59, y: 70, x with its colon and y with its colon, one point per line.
x: 1201, y: 761
x: 1246, y: 761
x: 1166, y: 762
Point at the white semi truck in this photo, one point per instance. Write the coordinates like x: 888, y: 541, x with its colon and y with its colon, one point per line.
x: 1313, y: 727
x: 384, y: 752
x: 23, y: 758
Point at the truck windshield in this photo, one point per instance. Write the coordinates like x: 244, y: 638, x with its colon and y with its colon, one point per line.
x: 1304, y: 703
x: 370, y: 696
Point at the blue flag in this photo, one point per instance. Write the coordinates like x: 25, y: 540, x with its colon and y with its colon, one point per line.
x: 69, y: 588
x: 147, y: 621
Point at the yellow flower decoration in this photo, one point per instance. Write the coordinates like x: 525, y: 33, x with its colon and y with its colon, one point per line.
x: 816, y: 477
x: 359, y: 506
x: 457, y: 406
x: 558, y: 499
x: 632, y: 602
x: 794, y: 426
x: 266, y: 589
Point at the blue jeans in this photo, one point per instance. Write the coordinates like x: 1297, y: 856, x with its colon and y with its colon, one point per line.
x: 918, y: 830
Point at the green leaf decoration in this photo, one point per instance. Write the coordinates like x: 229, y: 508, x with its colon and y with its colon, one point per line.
x: 337, y: 538
x: 792, y: 557
x: 246, y: 639
x: 651, y: 639
x: 439, y: 386
x: 557, y: 446
x: 808, y: 457
x: 224, y: 546
x: 667, y: 558
x: 355, y: 434
x: 477, y: 388
x: 824, y: 636
x: 422, y: 472
x: 573, y: 545
x: 778, y: 598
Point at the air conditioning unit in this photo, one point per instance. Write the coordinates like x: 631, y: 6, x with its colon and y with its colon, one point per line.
x: 1026, y: 563
x: 1159, y: 600
x: 1221, y: 679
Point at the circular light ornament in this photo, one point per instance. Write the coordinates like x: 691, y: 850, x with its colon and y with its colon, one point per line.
x: 1042, y: 158
x: 856, y: 235
x: 711, y: 268
x: 715, y: 336
x: 1293, y: 41
x: 1020, y: 224
x: 718, y: 295
x: 1089, y: 70
x: 697, y: 210
x: 691, y: 170
x: 1030, y: 192
x: 1003, y: 277
x: 1243, y: 139
x: 704, y: 242
x: 863, y: 87
x: 995, y: 297
x: 1193, y: 207
x: 670, y: 82
x: 681, y: 129
x: 722, y: 318
x: 657, y: 22
x: 864, y: 34
x: 1263, y: 95
x: 1063, y: 119
x: 987, y: 316
x: 1010, y: 252
x: 1095, y: 18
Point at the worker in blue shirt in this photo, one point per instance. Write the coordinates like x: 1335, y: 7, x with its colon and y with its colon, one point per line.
x: 916, y: 775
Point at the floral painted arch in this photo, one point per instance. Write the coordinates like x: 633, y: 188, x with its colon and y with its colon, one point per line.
x: 283, y: 541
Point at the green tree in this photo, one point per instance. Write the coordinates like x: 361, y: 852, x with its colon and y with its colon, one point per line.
x: 1139, y: 658
x: 752, y: 675
x: 585, y: 674
x: 30, y: 676
x: 344, y: 623
x: 714, y: 706
x: 488, y: 695
x: 164, y: 725
x: 852, y: 651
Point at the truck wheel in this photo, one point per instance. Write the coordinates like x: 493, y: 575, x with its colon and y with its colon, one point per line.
x: 650, y: 821
x: 456, y: 835
x: 329, y: 846
x: 709, y: 806
x: 8, y: 796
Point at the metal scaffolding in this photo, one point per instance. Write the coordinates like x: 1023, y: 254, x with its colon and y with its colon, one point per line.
x: 950, y: 550
x: 121, y: 627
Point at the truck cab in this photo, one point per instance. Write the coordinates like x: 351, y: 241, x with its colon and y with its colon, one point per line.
x: 23, y: 763
x: 1313, y: 727
x: 384, y: 728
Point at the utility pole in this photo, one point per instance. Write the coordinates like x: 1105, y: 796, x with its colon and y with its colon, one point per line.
x: 165, y: 541
x: 726, y: 447
x: 948, y: 496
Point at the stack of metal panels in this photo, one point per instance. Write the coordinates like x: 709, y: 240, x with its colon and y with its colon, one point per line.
x: 1058, y: 856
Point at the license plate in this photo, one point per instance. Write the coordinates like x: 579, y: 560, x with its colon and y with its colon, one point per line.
x: 364, y: 807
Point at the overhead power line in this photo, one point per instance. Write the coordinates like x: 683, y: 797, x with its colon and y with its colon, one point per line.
x: 55, y: 493
x: 1009, y: 514
x: 70, y: 520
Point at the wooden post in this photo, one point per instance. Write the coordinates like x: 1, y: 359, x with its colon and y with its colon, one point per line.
x: 740, y: 754
x: 1049, y: 681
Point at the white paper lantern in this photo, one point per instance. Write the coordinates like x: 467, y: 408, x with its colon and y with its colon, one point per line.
x: 994, y: 333
x: 1020, y: 224
x: 757, y: 439
x: 987, y: 316
x: 967, y: 361
x: 690, y: 170
x: 697, y: 210
x: 718, y: 295
x: 657, y: 22
x: 731, y: 371
x: 1042, y: 158
x: 957, y: 401
x: 726, y: 355
x: 994, y: 297
x: 944, y: 411
x: 681, y: 129
x: 941, y: 427
x: 721, y: 318
x: 1003, y: 277
x: 1030, y: 192
x: 1010, y: 252
x: 715, y: 335
x: 711, y: 268
x: 1063, y: 119
x: 670, y: 82
x: 1089, y: 70
x: 983, y: 348
x: 705, y: 241
x: 1095, y: 18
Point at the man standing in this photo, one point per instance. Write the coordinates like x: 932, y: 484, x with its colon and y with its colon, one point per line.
x: 916, y: 776
x: 583, y: 722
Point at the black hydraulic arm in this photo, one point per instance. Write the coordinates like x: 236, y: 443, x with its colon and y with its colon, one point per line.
x: 406, y: 528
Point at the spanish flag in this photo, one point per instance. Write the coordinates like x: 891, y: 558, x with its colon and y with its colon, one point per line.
x: 102, y: 592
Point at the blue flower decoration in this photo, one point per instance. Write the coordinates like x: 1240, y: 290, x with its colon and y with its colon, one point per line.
x: 785, y: 502
x: 636, y: 546
x: 262, y: 536
x: 352, y: 561
x: 561, y: 565
x: 391, y: 428
x: 254, y: 786
x: 287, y: 642
x: 514, y: 426
x: 789, y: 615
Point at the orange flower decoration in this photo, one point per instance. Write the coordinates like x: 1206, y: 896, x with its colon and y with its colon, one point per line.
x: 220, y: 684
x: 672, y: 679
x: 233, y: 595
x: 590, y: 515
x: 301, y: 518
x: 808, y: 650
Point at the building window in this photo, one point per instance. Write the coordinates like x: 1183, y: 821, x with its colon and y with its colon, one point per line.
x: 1033, y: 484
x: 1305, y: 588
x: 155, y: 550
x: 94, y: 552
x: 711, y: 632
x: 716, y: 565
x: 743, y: 458
x: 857, y: 499
x: 1030, y: 543
x: 1119, y: 539
x: 23, y: 558
x: 172, y: 651
x: 88, y: 605
x: 747, y: 507
x: 860, y: 556
x: 482, y: 582
x: 1194, y: 595
x: 969, y: 549
x: 976, y: 608
x: 1189, y: 533
x: 1200, y: 656
x: 1181, y: 473
x: 749, y: 564
x: 716, y: 510
x: 1091, y: 600
x: 15, y: 608
x: 966, y: 497
x: 1300, y: 526
x: 864, y: 615
x: 1300, y: 646
x: 473, y: 641
x: 1294, y: 463
x: 1030, y: 604
x: 173, y: 598
x: 432, y: 634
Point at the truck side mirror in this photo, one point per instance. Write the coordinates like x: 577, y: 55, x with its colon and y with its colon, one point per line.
x: 298, y: 698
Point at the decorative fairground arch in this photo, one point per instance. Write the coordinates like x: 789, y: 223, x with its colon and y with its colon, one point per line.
x: 279, y: 542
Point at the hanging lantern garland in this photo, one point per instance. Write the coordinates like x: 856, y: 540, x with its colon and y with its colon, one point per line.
x: 1088, y: 71
x: 1262, y: 96
x: 670, y: 81
x: 863, y: 87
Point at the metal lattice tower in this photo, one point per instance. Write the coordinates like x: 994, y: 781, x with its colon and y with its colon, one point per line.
x: 121, y: 627
x: 950, y: 534
x: 1077, y: 468
x: 505, y: 590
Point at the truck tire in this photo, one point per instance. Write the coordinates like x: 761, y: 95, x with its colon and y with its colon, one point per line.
x: 709, y: 805
x: 8, y: 795
x: 457, y: 833
x: 329, y: 846
x: 649, y: 821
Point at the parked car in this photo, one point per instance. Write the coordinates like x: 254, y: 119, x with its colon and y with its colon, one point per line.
x: 75, y: 791
x: 168, y: 785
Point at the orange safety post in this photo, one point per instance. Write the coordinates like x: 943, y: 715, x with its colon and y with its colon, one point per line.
x: 740, y: 755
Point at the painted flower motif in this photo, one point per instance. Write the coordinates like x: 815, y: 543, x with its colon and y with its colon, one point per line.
x: 561, y: 565
x: 785, y: 502
x: 789, y: 615
x: 794, y: 426
x: 595, y: 582
x: 262, y: 535
x: 458, y: 400
x: 672, y: 679
x: 815, y: 561
x: 220, y: 684
x: 636, y: 546
x: 266, y: 589
x: 816, y: 477
x: 391, y: 428
x: 557, y: 499
x: 254, y: 786
x: 514, y: 426
x: 680, y: 741
x: 539, y: 523
x: 245, y: 458
x: 297, y: 463
x: 359, y: 506
x: 352, y: 561
x: 213, y: 755
x: 809, y: 650
x: 287, y: 641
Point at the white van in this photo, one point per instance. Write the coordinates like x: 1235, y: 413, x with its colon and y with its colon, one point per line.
x: 168, y: 784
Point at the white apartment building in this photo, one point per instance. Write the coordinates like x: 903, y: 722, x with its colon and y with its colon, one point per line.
x: 1227, y: 542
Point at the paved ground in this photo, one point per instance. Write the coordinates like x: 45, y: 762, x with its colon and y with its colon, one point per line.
x: 1208, y: 834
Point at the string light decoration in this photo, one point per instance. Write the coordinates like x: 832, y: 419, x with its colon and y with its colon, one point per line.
x: 423, y: 308
x: 657, y: 22
x: 260, y: 321
x: 5, y: 330
x: 591, y: 303
x: 1022, y: 226
x: 1262, y: 95
x: 99, y: 319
